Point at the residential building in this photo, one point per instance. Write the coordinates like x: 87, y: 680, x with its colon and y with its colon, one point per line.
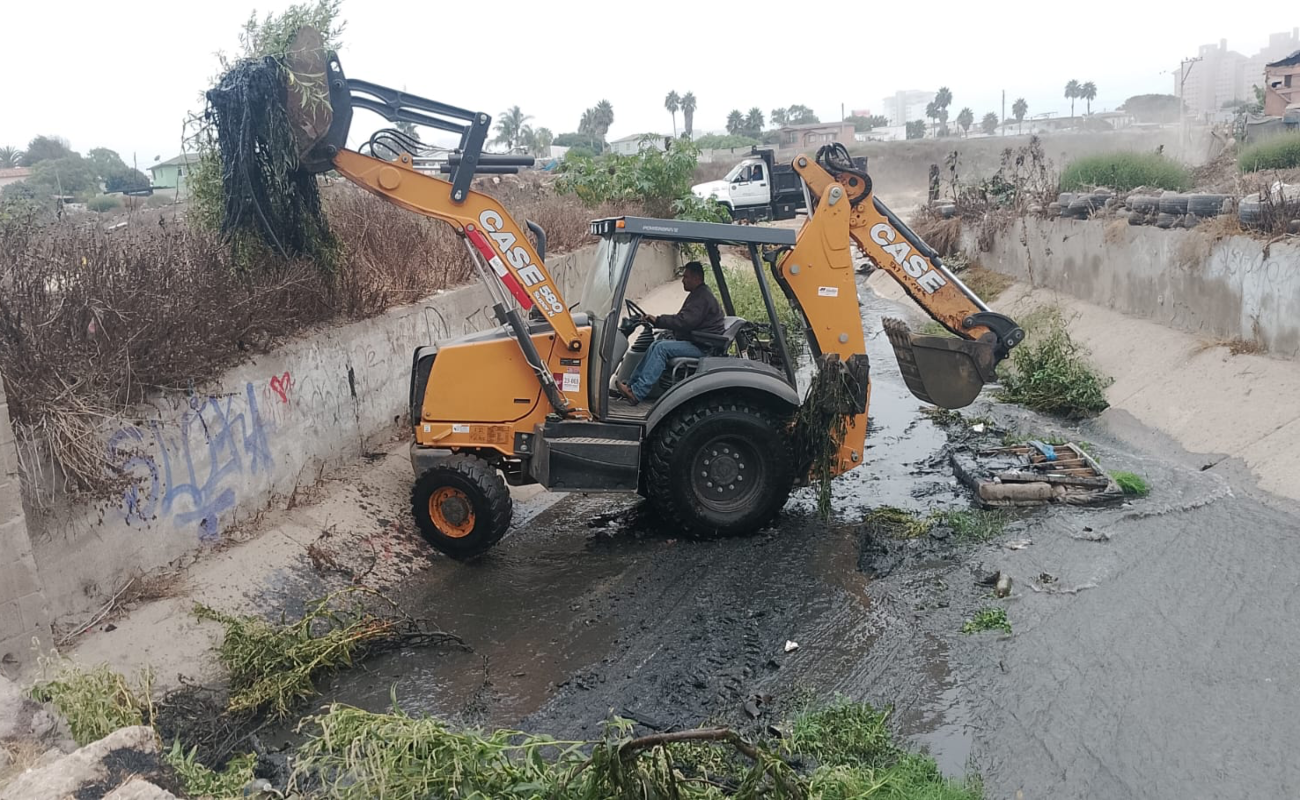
x: 815, y: 134
x: 906, y: 106
x: 15, y: 175
x: 1280, y: 46
x: 1282, y: 92
x: 172, y: 173
x: 1222, y: 76
x: 631, y: 145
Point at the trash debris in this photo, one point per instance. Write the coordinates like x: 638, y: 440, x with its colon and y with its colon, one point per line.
x: 1034, y: 473
x: 1019, y: 544
x: 790, y: 646
x: 1003, y: 588
x: 978, y: 427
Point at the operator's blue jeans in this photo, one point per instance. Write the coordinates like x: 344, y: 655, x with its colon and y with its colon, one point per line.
x: 656, y: 361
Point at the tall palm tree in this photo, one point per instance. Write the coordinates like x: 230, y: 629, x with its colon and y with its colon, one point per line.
x: 932, y: 112
x: 1088, y: 92
x: 510, y: 127
x: 542, y: 138
x: 1020, y: 108
x: 688, y: 113
x: 589, y: 127
x: 943, y: 97
x: 604, y: 117
x: 673, y: 102
x: 754, y: 122
x: 965, y: 119
x: 735, y: 122
x: 1072, y: 91
x: 9, y: 157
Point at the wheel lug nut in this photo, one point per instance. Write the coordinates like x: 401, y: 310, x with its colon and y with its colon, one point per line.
x: 710, y: 484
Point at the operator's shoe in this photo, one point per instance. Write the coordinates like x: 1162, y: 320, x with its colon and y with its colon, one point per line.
x: 627, y: 393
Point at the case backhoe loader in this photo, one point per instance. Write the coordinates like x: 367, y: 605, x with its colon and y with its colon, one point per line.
x: 530, y: 401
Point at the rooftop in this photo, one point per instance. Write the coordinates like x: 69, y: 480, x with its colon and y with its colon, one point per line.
x: 1289, y: 61
x: 810, y: 125
x: 16, y: 172
x: 181, y: 160
x: 636, y: 137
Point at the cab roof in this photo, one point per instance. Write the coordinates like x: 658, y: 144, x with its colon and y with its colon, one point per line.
x: 677, y: 230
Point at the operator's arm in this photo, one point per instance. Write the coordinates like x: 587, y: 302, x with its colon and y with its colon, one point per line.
x: 688, y: 319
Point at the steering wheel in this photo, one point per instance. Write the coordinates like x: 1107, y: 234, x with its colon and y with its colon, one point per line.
x: 635, y: 310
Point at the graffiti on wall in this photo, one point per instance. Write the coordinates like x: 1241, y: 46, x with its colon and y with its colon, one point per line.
x: 190, y: 473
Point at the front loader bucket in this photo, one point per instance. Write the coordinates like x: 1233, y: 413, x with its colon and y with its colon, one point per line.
x: 940, y: 370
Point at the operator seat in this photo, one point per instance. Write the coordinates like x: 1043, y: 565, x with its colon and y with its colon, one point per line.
x: 713, y: 344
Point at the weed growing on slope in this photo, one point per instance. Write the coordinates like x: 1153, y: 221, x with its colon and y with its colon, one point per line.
x: 988, y: 619
x: 1134, y: 485
x: 972, y: 525
x: 1280, y: 152
x: 201, y: 781
x: 1048, y: 372
x: 897, y: 523
x: 1124, y: 172
x: 96, y: 701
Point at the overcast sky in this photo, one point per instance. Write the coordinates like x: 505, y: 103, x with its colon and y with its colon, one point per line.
x: 123, y: 75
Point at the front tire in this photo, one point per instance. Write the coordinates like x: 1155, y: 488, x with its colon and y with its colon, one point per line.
x: 721, y: 467
x: 461, y: 506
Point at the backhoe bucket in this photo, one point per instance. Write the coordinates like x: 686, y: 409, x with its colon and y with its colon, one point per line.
x: 940, y: 370
x: 307, y: 90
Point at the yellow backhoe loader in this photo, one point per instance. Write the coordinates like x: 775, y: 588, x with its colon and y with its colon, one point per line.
x: 530, y: 401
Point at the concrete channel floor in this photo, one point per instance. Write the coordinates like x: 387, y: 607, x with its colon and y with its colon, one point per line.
x: 1154, y: 652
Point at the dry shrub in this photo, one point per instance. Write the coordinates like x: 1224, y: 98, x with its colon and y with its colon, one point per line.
x: 93, y: 322
x: 943, y: 235
x: 985, y: 283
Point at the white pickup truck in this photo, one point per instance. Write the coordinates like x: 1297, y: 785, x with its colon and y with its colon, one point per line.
x: 758, y: 188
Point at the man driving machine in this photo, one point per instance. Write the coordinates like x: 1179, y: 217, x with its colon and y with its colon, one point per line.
x: 699, y: 313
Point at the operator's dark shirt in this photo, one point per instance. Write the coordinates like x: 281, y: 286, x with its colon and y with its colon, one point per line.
x: 700, y: 312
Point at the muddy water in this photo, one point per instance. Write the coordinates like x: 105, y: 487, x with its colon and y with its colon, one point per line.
x: 589, y: 608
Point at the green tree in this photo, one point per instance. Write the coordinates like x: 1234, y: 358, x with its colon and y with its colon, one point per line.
x: 1020, y: 108
x: 916, y: 129
x: 1152, y: 107
x: 714, y: 141
x: 673, y: 102
x: 932, y: 113
x: 541, y: 141
x: 754, y: 122
x: 1072, y: 92
x: 604, y: 117
x: 943, y: 99
x: 70, y: 175
x: 408, y: 128
x: 688, y: 113
x: 45, y: 148
x: 9, y: 157
x: 862, y: 124
x: 735, y: 122
x: 1088, y: 92
x: 989, y: 123
x: 273, y: 34
x: 800, y: 115
x: 965, y: 119
x: 779, y: 117
x: 510, y: 127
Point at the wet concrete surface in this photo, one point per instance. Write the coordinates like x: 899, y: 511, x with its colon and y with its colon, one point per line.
x: 1154, y: 650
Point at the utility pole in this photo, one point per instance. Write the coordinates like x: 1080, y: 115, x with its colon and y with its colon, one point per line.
x: 1184, y: 69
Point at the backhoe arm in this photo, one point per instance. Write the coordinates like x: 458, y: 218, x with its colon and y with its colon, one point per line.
x: 495, y: 241
x: 939, y: 370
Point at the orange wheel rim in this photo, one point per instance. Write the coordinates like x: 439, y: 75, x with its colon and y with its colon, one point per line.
x: 452, y: 512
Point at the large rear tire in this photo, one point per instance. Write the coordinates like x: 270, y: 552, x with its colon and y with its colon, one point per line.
x: 461, y: 506
x: 720, y: 467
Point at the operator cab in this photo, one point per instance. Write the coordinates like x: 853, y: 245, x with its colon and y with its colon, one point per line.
x: 621, y: 335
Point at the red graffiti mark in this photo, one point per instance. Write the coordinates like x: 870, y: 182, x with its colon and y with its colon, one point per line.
x: 281, y: 384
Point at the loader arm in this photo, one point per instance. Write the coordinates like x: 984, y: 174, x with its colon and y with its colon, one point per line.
x: 939, y: 370
x: 498, y: 247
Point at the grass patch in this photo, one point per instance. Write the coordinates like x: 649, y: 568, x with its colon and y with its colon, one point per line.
x: 352, y: 753
x: 972, y: 525
x: 988, y: 618
x: 1048, y: 372
x: 747, y: 299
x: 985, y: 283
x: 200, y: 781
x: 1124, y: 172
x: 898, y: 523
x: 935, y: 328
x: 96, y: 701
x: 1280, y: 152
x: 1133, y: 484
